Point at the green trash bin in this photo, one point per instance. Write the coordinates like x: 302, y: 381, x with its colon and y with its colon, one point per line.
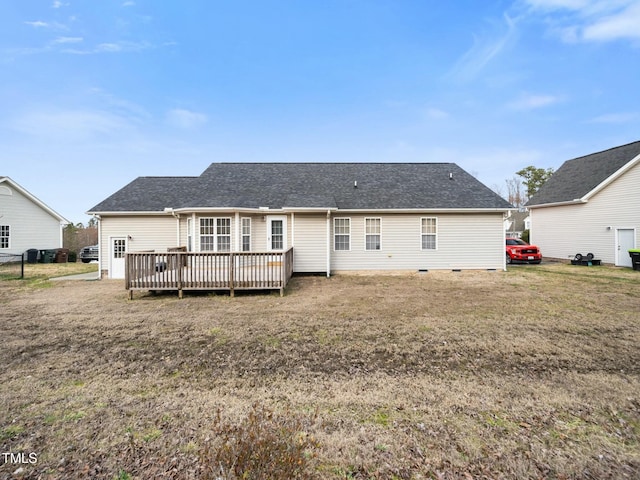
x: 634, y: 253
x: 47, y: 256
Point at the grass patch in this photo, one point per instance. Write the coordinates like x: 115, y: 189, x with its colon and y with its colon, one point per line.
x: 531, y: 373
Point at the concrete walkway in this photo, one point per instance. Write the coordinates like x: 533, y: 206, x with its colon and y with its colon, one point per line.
x: 79, y: 276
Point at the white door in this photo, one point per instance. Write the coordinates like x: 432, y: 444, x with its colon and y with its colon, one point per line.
x: 117, y: 250
x: 276, y: 233
x: 625, y: 240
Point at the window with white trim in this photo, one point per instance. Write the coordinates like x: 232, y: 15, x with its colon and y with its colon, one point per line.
x: 429, y: 233
x: 207, y: 235
x: 223, y: 234
x: 189, y: 234
x: 372, y: 233
x: 246, y: 234
x: 5, y: 236
x: 215, y: 234
x: 341, y: 234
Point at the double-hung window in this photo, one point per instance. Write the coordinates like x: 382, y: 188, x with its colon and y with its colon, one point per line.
x: 372, y: 233
x: 429, y: 233
x: 223, y: 234
x: 4, y: 236
x: 215, y: 234
x: 341, y: 234
x: 207, y: 235
x: 246, y: 234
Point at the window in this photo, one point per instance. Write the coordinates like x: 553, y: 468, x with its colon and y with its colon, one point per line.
x: 429, y: 233
x: 207, y: 238
x: 246, y: 234
x: 223, y: 234
x: 189, y: 235
x: 215, y: 234
x: 372, y: 233
x: 4, y: 236
x: 341, y: 234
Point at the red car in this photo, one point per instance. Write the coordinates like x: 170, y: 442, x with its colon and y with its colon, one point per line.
x: 519, y: 251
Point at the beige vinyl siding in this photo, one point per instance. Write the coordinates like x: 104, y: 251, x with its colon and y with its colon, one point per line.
x: 463, y: 241
x: 310, y: 249
x: 30, y: 225
x: 150, y: 232
x: 563, y: 231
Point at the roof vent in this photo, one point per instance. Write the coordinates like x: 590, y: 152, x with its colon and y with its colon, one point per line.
x: 355, y: 184
x: 450, y: 176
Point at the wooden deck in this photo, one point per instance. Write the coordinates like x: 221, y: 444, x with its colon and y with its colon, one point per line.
x: 230, y: 271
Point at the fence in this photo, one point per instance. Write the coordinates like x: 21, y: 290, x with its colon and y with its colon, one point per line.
x: 208, y: 271
x: 11, y: 266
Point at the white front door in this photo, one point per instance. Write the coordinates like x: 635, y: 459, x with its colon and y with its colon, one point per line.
x: 625, y: 240
x: 276, y: 233
x: 117, y: 250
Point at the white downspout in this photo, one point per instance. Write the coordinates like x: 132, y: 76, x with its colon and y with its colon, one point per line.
x: 328, y: 243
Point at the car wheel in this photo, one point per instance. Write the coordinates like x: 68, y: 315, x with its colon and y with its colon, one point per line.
x: 509, y: 259
x: 85, y: 260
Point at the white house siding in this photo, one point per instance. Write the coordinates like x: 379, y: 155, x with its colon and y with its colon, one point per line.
x: 143, y: 232
x: 310, y: 248
x: 463, y: 241
x: 30, y: 225
x: 563, y: 231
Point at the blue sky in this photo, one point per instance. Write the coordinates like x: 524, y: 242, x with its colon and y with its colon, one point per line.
x: 96, y: 93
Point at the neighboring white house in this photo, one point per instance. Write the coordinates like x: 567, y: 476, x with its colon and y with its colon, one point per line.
x: 336, y: 216
x: 590, y: 205
x: 26, y: 222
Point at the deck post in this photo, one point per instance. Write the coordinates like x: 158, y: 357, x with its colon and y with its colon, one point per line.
x: 232, y: 266
x: 179, y: 268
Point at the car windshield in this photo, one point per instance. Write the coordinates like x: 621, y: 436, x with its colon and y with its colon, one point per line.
x: 516, y: 241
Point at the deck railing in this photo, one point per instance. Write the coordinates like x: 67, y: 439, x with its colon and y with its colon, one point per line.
x: 230, y: 271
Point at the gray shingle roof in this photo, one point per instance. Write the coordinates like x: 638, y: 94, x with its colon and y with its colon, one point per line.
x: 576, y: 178
x: 309, y: 185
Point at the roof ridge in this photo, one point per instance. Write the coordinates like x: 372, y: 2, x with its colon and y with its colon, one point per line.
x: 604, y: 151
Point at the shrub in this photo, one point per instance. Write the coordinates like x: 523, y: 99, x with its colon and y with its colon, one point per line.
x: 264, y: 445
x: 525, y: 235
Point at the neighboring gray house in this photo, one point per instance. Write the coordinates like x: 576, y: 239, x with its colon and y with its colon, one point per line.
x: 336, y: 216
x: 26, y: 222
x: 516, y: 223
x: 590, y: 205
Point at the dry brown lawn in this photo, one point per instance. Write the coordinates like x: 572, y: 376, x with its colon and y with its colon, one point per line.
x: 529, y: 374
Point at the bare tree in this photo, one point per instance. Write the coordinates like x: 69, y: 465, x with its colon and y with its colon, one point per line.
x: 515, y: 192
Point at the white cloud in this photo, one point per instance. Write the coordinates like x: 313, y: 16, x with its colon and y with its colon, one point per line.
x: 58, y: 4
x: 128, y: 4
x: 616, y: 118
x: 68, y: 40
x: 591, y: 20
x: 532, y: 102
x: 37, y: 24
x: 436, y: 114
x: 623, y: 24
x: 75, y: 125
x: 483, y: 52
x: 186, y: 119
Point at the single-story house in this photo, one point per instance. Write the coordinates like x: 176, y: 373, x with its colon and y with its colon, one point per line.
x: 591, y: 204
x: 26, y: 222
x: 516, y: 223
x: 336, y: 216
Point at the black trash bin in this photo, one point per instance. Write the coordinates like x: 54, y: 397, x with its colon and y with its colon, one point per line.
x: 32, y: 255
x: 634, y: 253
